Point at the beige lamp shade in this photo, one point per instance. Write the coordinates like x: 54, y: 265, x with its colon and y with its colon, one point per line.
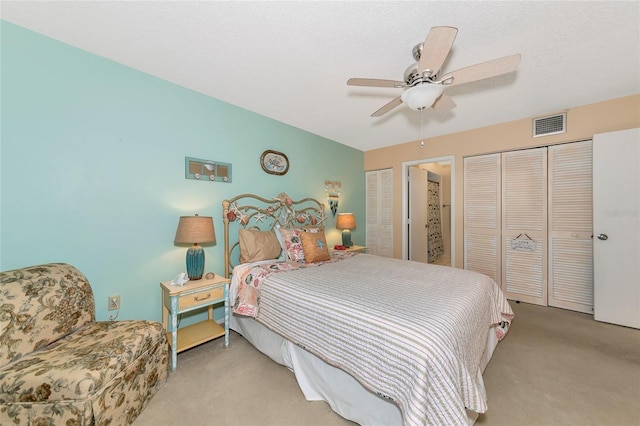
x: 195, y: 230
x: 346, y: 221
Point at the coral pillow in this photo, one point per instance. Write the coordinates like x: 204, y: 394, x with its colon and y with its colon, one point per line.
x: 314, y: 246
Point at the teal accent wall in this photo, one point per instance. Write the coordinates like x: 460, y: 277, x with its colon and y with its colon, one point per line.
x: 92, y: 168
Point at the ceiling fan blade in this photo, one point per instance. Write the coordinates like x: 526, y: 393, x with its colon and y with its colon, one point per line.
x: 436, y: 48
x: 375, y: 82
x: 387, y: 107
x: 443, y: 103
x: 484, y: 70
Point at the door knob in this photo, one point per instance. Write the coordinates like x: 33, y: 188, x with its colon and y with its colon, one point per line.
x: 603, y: 237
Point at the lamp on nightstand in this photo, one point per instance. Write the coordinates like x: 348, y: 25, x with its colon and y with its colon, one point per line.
x: 195, y: 230
x: 346, y: 222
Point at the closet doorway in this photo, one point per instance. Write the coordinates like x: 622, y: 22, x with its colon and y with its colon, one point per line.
x: 428, y: 225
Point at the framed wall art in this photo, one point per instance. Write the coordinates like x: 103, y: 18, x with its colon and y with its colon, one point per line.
x: 207, y: 170
x: 274, y: 162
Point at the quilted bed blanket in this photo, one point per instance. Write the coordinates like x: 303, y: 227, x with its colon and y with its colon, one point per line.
x: 410, y: 332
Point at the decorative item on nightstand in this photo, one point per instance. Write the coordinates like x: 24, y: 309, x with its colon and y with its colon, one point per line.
x: 195, y: 230
x: 346, y: 222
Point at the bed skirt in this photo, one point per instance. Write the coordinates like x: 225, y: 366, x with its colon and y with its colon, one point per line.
x: 320, y: 381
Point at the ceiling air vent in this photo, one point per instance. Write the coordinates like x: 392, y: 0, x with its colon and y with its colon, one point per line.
x: 551, y: 125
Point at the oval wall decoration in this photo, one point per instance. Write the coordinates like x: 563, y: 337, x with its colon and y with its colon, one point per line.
x: 274, y: 162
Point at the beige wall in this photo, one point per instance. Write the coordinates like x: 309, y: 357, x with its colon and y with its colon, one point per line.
x: 582, y: 123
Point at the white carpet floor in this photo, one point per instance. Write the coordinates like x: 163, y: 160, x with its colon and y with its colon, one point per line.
x: 555, y: 367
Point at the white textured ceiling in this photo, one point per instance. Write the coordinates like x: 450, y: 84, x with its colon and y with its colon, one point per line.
x: 290, y: 60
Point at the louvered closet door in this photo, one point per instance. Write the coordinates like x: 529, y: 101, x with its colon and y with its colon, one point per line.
x: 482, y: 214
x: 385, y: 226
x: 524, y: 213
x: 373, y: 199
x: 570, y: 226
x: 379, y: 184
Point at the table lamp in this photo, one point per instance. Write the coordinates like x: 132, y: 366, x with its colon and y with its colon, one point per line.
x: 346, y: 222
x: 193, y: 230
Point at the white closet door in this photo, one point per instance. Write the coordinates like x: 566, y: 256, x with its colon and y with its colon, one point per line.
x: 482, y: 215
x: 616, y: 222
x: 524, y: 225
x: 379, y: 208
x: 373, y: 215
x: 570, y: 227
x: 385, y: 226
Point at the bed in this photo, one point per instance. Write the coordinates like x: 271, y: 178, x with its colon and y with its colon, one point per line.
x: 383, y: 341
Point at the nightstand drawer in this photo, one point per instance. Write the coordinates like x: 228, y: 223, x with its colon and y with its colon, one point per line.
x: 203, y: 297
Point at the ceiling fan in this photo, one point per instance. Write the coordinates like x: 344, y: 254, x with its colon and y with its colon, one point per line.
x: 423, y: 83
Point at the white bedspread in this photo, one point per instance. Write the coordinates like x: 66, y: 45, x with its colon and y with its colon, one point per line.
x: 410, y: 332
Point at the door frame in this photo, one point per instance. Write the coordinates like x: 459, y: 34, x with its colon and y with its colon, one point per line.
x: 405, y: 202
x: 417, y: 239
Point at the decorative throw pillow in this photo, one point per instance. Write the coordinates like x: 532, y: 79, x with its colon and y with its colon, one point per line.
x: 292, y: 244
x: 283, y: 253
x: 314, y: 246
x: 313, y: 230
x: 258, y: 245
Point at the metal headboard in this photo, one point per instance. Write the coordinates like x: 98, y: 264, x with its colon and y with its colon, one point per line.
x: 249, y: 211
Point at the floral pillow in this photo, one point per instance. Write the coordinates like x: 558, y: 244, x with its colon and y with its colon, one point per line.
x: 293, y: 244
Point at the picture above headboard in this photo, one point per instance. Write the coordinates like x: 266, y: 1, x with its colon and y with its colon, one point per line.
x: 249, y: 211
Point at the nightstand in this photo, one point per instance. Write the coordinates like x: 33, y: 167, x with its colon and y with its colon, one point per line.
x: 189, y: 297
x: 357, y: 249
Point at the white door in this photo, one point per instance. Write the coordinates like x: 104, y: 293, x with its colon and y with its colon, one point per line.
x: 524, y: 225
x: 570, y: 226
x: 616, y: 227
x: 379, y: 189
x: 483, y: 215
x: 418, y: 231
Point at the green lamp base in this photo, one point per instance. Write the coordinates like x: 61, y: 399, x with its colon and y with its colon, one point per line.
x: 346, y: 238
x: 195, y: 262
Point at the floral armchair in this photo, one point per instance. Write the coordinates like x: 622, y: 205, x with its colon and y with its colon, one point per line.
x: 59, y: 366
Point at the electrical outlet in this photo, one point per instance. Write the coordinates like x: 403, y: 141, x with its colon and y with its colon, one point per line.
x: 114, y: 302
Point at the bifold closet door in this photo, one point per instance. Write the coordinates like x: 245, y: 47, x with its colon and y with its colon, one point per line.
x: 482, y: 215
x: 527, y: 218
x: 379, y: 190
x: 571, y: 226
x: 524, y: 225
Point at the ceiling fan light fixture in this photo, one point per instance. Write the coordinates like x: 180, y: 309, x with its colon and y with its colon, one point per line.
x: 422, y: 96
x: 422, y: 80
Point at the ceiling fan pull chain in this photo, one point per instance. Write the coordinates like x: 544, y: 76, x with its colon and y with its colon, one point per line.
x: 422, y: 128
